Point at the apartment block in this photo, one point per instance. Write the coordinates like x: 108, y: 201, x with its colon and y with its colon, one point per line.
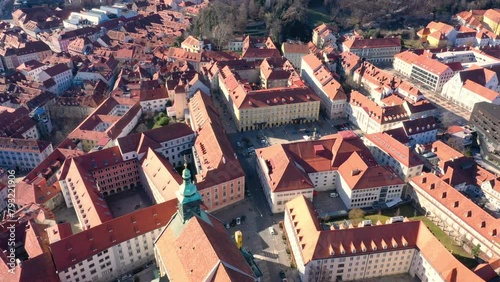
x: 420, y: 131
x: 294, y: 52
x: 423, y: 69
x: 486, y: 121
x: 254, y: 109
x: 474, y: 85
x: 35, y: 50
x: 57, y: 78
x: 389, y: 151
x: 276, y: 72
x: 372, y: 118
x: 324, y: 35
x: 489, y: 185
x: 109, y: 250
x: 16, y: 123
x: 287, y: 171
x: 322, y: 81
x: 220, y: 178
x: 23, y: 154
x: 258, y: 48
x: 114, y: 118
x: 462, y: 219
x: 438, y: 34
x: 373, y: 251
x: 173, y: 142
x: 195, y: 45
x: 375, y: 50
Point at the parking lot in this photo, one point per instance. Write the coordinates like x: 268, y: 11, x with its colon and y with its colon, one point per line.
x: 269, y: 250
x: 248, y: 141
x: 325, y: 204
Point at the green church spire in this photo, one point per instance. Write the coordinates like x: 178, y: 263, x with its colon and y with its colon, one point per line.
x: 188, y: 196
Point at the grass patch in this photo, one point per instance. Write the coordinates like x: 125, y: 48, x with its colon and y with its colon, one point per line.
x: 317, y: 16
x: 409, y: 44
x: 410, y: 212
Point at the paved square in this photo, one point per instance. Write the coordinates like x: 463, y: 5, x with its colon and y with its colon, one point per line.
x: 127, y: 201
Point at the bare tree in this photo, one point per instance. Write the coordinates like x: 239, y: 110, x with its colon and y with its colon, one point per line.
x: 222, y: 34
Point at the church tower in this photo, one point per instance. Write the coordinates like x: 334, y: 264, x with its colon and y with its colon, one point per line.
x: 188, y: 197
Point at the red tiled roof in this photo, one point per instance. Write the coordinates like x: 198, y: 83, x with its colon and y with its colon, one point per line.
x: 295, y: 48
x: 133, y: 142
x: 357, y: 43
x: 451, y: 199
x: 480, y: 90
x: 361, y: 173
x: 215, y: 152
x: 22, y: 145
x: 419, y: 125
x: 181, y: 249
x: 318, y: 244
x: 161, y: 174
x: 395, y: 149
x: 382, y: 115
x: 78, y: 247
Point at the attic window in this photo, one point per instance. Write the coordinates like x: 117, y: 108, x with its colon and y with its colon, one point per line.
x: 433, y: 185
x: 483, y: 224
x: 455, y: 205
x: 469, y: 214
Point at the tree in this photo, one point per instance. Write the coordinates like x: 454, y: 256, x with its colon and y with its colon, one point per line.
x: 241, y: 21
x: 476, y: 250
x: 161, y: 122
x: 456, y: 143
x: 356, y: 215
x: 253, y: 9
x: 222, y: 34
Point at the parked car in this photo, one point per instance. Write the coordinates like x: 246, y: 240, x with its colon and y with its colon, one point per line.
x: 227, y: 225
x: 271, y: 230
x: 238, y: 221
x: 243, y: 217
x: 334, y: 195
x: 282, y: 274
x: 233, y: 223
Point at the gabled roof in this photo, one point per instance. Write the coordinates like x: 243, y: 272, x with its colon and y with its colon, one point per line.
x: 357, y: 43
x: 80, y: 246
x: 395, y: 149
x: 201, y: 248
x: 318, y: 244
x: 140, y: 142
x: 283, y: 172
x: 463, y: 208
x: 360, y: 173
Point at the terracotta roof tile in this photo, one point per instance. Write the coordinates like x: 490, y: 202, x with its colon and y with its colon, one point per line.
x: 395, y: 149
x: 357, y: 43
x: 78, y: 247
x: 318, y: 244
x: 181, y: 249
x: 452, y: 200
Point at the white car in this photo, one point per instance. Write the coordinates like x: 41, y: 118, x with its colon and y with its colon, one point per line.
x: 271, y: 230
x: 238, y: 221
x: 334, y: 195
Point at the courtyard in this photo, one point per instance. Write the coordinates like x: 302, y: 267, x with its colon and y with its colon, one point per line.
x: 128, y: 201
